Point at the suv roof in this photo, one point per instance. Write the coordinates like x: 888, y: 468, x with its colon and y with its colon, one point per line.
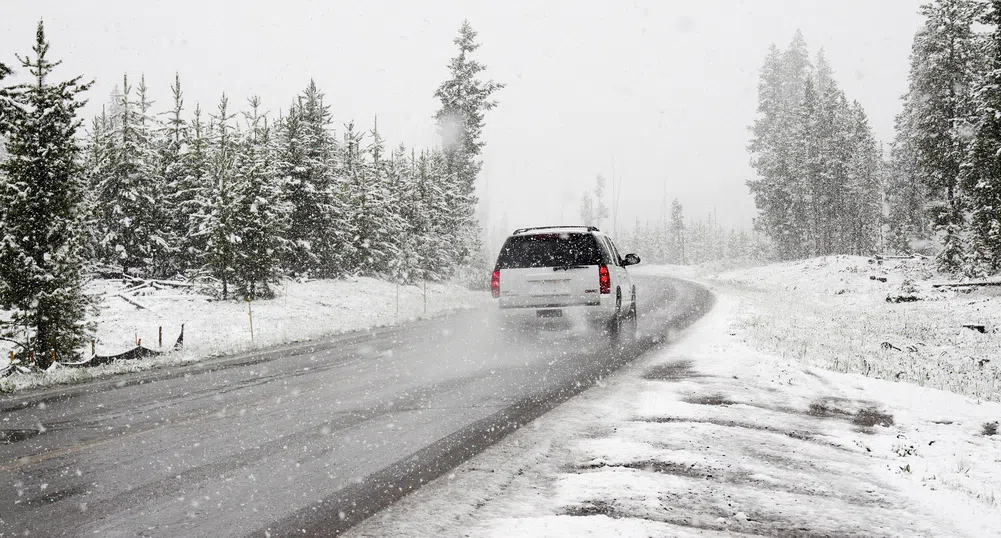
x: 557, y: 229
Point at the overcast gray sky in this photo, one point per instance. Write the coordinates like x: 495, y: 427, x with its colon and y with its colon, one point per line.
x: 665, y: 89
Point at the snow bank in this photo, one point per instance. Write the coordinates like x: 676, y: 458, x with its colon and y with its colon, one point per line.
x: 302, y: 311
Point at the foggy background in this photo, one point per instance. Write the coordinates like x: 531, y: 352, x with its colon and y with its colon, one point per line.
x: 662, y: 91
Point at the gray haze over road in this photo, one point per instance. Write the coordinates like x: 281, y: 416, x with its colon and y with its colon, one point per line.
x: 312, y: 437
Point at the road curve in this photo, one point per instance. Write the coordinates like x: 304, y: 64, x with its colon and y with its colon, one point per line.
x: 305, y: 439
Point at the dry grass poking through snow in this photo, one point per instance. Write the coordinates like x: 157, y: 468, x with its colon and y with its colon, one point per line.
x: 830, y: 313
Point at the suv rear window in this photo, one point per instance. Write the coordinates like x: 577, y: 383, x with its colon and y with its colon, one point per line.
x: 549, y: 250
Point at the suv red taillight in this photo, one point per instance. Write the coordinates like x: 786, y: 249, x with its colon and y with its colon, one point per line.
x: 604, y: 280
x: 495, y: 284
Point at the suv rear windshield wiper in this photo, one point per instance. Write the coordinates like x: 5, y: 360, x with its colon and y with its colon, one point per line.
x: 568, y: 267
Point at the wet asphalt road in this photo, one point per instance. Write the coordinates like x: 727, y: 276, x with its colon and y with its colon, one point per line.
x: 301, y: 440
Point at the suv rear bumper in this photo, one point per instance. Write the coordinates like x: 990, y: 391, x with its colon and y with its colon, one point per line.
x: 566, y: 317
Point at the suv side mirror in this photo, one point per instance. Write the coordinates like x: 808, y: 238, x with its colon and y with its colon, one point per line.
x: 631, y: 259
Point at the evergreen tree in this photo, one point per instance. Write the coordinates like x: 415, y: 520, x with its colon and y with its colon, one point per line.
x: 131, y: 234
x: 678, y: 232
x: 816, y: 162
x: 216, y: 222
x: 307, y: 162
x: 943, y: 65
x: 193, y: 192
x: 905, y: 193
x: 464, y: 98
x: 180, y: 192
x: 982, y: 178
x: 861, y: 218
x: 42, y: 243
x: 260, y: 216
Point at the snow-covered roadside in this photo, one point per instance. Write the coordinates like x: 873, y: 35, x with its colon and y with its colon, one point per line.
x: 710, y: 437
x: 833, y: 313
x: 302, y: 311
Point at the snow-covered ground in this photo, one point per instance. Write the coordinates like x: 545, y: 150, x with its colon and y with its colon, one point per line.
x: 715, y: 436
x: 302, y: 311
x: 833, y: 313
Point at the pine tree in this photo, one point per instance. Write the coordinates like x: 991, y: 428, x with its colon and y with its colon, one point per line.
x: 216, y: 222
x: 861, y: 217
x: 95, y: 165
x: 307, y: 164
x: 982, y: 178
x: 905, y: 193
x: 465, y: 99
x: 943, y: 62
x: 180, y: 189
x: 42, y: 250
x: 193, y: 193
x: 778, y: 150
x: 678, y: 232
x: 131, y: 222
x: 260, y: 216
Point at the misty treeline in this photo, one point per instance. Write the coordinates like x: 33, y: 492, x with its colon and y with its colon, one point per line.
x: 233, y: 193
x: 819, y: 168
x: 944, y: 185
x: 672, y: 240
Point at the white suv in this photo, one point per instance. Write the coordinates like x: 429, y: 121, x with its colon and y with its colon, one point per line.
x: 570, y: 275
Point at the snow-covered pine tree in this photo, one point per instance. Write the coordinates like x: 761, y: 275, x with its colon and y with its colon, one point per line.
x: 405, y: 198
x: 375, y: 221
x: 195, y: 186
x: 215, y: 220
x: 179, y: 187
x: 42, y: 240
x: 131, y: 234
x: 861, y: 209
x: 776, y: 148
x: 805, y: 183
x: 358, y: 179
x: 443, y: 249
x: 152, y: 173
x: 943, y: 65
x: 260, y: 216
x: 464, y: 98
x: 982, y: 177
x: 905, y: 193
x: 95, y: 166
x: 307, y: 162
x: 677, y: 229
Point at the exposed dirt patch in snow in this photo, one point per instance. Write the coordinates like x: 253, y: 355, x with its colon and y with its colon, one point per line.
x: 672, y: 371
x: 710, y: 399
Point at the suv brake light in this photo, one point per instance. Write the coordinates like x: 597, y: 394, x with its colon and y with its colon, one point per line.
x: 604, y: 280
x: 495, y: 284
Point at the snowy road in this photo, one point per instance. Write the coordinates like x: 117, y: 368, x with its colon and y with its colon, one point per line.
x: 313, y: 437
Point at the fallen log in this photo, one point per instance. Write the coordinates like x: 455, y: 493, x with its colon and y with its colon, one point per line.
x: 191, y: 297
x: 132, y: 302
